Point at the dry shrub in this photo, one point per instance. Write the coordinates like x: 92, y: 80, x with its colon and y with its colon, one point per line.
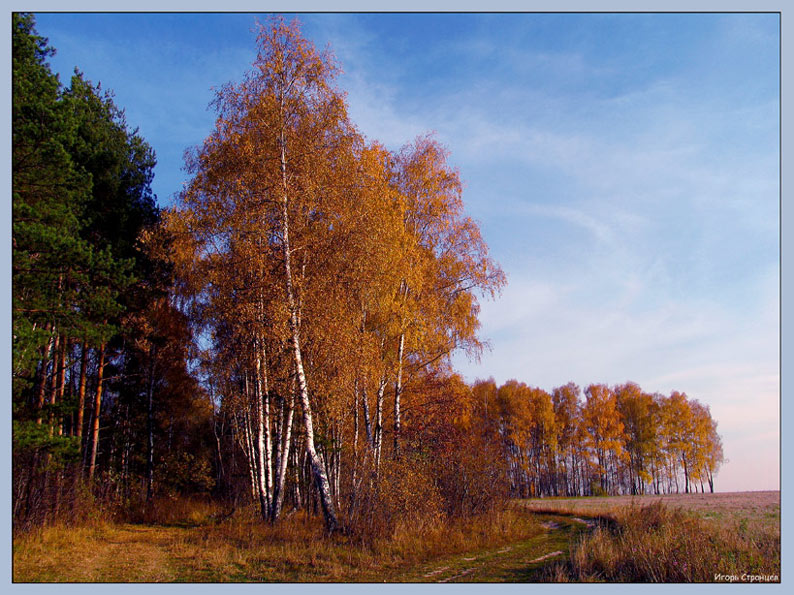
x: 171, y: 510
x: 658, y: 544
x: 401, y: 494
x: 471, y: 478
x: 53, y: 495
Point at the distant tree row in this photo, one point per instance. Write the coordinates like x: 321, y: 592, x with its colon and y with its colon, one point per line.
x: 619, y: 440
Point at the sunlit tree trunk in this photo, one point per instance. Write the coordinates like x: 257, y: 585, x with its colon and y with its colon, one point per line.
x: 263, y: 435
x: 78, y: 426
x: 97, y: 410
x: 378, y: 434
x: 367, y: 420
x: 52, y: 389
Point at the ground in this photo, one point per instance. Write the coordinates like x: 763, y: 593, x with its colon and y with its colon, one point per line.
x: 243, y: 551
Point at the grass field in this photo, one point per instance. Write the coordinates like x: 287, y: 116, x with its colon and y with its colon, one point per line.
x: 681, y: 538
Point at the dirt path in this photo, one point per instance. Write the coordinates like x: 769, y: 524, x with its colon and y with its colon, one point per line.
x: 520, y: 562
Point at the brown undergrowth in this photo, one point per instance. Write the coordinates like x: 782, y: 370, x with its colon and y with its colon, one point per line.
x: 198, y: 541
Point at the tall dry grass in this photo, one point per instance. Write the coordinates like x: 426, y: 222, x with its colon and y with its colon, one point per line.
x: 655, y: 543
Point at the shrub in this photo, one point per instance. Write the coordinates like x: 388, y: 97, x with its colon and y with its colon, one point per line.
x: 472, y: 477
x: 403, y: 493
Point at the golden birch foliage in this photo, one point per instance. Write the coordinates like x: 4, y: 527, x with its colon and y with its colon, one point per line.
x: 676, y: 425
x: 544, y: 423
x: 565, y: 400
x: 512, y: 399
x: 636, y: 411
x: 602, y: 424
x: 446, y: 257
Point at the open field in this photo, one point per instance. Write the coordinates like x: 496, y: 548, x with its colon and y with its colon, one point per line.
x: 763, y: 507
x: 675, y: 538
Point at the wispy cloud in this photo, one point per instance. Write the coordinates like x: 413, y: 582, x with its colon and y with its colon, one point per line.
x: 636, y: 217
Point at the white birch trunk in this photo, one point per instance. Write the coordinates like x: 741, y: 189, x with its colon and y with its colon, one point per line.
x: 378, y: 437
x: 398, y: 389
x: 320, y: 477
x: 367, y: 420
x: 263, y: 446
x: 281, y: 468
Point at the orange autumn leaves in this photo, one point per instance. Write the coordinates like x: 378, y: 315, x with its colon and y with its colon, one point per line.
x: 325, y: 270
x: 616, y: 440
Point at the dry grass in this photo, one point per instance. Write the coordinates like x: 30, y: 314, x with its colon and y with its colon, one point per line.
x: 193, y: 542
x: 670, y: 539
x: 688, y: 538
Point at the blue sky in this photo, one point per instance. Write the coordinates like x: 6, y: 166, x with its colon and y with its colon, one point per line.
x: 624, y: 169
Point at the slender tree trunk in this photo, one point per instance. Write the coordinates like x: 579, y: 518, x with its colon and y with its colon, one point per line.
x: 97, y: 410
x: 268, y: 434
x: 320, y: 477
x: 686, y: 476
x: 150, y: 427
x: 297, y: 468
x: 61, y: 384
x: 249, y: 454
x: 53, y: 385
x: 41, y: 390
x: 221, y: 476
x: 281, y: 470
x: 337, y: 462
x: 263, y: 446
x: 355, y: 439
x: 378, y: 436
x: 367, y: 420
x: 78, y: 429
x: 398, y: 389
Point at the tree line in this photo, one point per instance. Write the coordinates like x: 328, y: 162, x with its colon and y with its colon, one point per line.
x: 618, y: 440
x: 282, y: 335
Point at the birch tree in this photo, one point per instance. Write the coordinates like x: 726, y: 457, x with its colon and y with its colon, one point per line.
x: 267, y: 180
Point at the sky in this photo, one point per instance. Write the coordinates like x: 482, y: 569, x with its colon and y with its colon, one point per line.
x: 624, y: 169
